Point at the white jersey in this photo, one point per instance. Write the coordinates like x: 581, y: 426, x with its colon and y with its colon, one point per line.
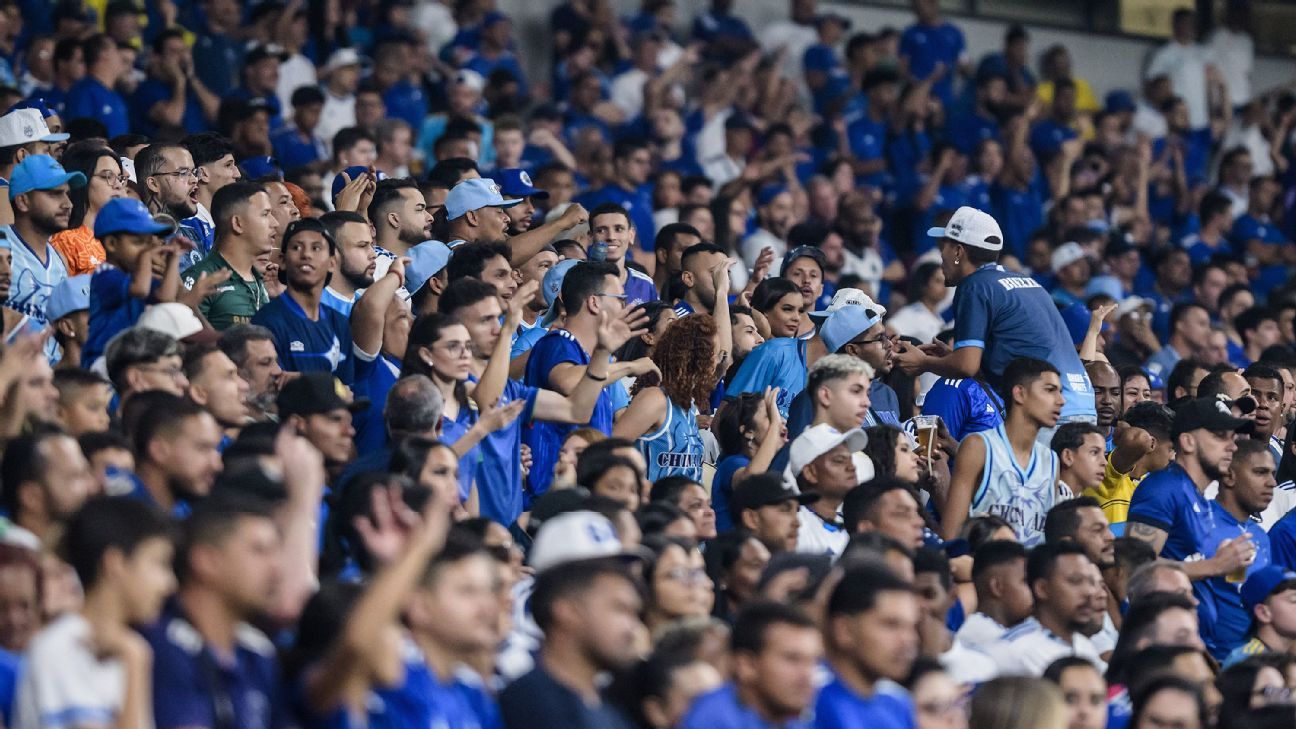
x: 1028, y: 648
x: 1022, y: 497
x: 816, y: 536
x: 32, y: 279
x: 64, y: 684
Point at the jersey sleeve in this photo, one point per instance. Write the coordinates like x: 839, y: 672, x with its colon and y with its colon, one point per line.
x: 950, y: 405
x: 972, y: 317
x: 1155, y: 504
x: 545, y: 356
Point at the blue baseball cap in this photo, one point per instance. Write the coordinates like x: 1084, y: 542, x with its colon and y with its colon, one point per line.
x: 68, y: 297
x: 351, y: 172
x: 845, y: 324
x: 257, y: 167
x: 1120, y: 100
x: 1154, y: 380
x: 36, y: 105
x: 551, y: 288
x: 1263, y: 582
x: 128, y: 215
x: 766, y: 194
x: 41, y: 172
x: 516, y: 182
x: 427, y: 259
x: 475, y: 194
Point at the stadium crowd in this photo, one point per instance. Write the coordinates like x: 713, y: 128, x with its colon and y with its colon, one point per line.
x: 719, y: 379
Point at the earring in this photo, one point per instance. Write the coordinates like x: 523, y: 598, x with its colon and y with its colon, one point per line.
x: 956, y: 261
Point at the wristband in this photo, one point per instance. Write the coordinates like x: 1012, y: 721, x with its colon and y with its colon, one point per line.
x: 596, y: 379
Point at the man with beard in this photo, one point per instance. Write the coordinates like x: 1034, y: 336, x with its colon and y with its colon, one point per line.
x: 251, y: 349
x: 38, y: 190
x: 400, y: 216
x: 696, y: 264
x: 214, y: 166
x: 309, y: 337
x: 246, y: 234
x: 176, y: 456
x: 534, y: 269
x: 588, y: 610
x: 774, y: 217
x: 1107, y: 394
x: 1245, y: 492
x: 1061, y: 578
x: 356, y: 261
x: 1169, y: 510
x: 208, y: 660
x: 168, y: 183
x: 516, y: 183
x: 215, y: 386
x: 668, y: 248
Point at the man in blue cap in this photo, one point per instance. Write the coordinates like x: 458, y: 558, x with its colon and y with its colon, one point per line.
x: 425, y: 275
x: 38, y: 191
x: 1269, y: 596
x: 516, y: 183
x: 475, y: 211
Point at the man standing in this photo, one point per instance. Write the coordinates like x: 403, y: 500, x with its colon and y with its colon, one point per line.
x: 611, y: 225
x: 168, y: 183
x: 309, y: 337
x: 246, y: 234
x: 1169, y: 509
x: 515, y: 183
x: 1061, y: 579
x: 400, y: 217
x: 356, y: 261
x: 1244, y: 493
x: 871, y: 636
x: 46, y: 479
x: 776, y: 651
x: 215, y: 386
x: 38, y: 191
x: 768, y: 507
x: 999, y: 316
x: 1007, y: 471
x: 251, y: 349
x: 176, y: 459
x: 696, y: 264
x: 1004, y: 598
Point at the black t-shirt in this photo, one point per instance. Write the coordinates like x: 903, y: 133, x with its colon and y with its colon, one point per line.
x: 538, y: 701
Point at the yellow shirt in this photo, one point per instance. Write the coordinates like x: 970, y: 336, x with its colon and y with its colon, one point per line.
x: 1114, y: 494
x: 1086, y: 101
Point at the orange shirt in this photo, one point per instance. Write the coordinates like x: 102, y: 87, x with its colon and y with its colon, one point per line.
x: 82, y: 251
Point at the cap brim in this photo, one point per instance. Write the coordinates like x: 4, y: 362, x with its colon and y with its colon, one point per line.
x: 60, y: 137
x: 550, y: 316
x: 936, y: 232
x: 820, y: 315
x: 507, y: 203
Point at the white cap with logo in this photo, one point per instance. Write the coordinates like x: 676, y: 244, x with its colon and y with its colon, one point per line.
x: 576, y: 535
x: 971, y: 227
x: 818, y: 440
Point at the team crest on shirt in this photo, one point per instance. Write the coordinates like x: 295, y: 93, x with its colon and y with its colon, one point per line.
x: 296, y: 347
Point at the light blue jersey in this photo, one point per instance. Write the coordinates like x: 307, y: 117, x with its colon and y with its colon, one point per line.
x: 33, y: 280
x: 1021, y: 497
x: 674, y: 449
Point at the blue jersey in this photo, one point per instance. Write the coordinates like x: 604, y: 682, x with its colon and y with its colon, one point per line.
x: 926, y: 46
x: 31, y: 280
x: 1224, y: 619
x: 305, y: 345
x: 91, y: 99
x: 721, y: 709
x: 722, y: 489
x: 499, y: 474
x: 452, y: 429
x: 545, y: 439
x: 373, y: 380
x: 1282, y: 541
x: 674, y: 449
x: 337, y: 302
x: 1248, y: 228
x: 538, y: 701
x: 1169, y: 500
x: 184, y: 668
x: 839, y: 707
x: 112, y: 308
x: 779, y: 362
x: 1010, y: 316
x: 964, y: 405
x: 639, y: 288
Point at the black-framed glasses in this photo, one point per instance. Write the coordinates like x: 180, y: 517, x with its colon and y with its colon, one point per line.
x: 620, y: 297
x: 180, y: 173
x: 881, y: 338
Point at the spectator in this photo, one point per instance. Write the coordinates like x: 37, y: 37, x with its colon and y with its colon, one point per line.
x: 1271, y: 627
x: 1004, y: 598
x: 95, y: 95
x: 822, y: 465
x: 245, y: 235
x: 46, y: 481
x: 768, y: 508
x: 1189, y: 66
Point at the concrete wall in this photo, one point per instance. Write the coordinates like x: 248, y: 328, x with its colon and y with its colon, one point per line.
x: 1108, y: 62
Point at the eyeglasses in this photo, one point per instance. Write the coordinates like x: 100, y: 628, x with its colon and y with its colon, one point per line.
x: 112, y: 180
x: 619, y: 297
x: 455, y: 349
x: 686, y: 576
x: 180, y: 173
x: 866, y: 342
x: 1274, y: 694
x: 942, y: 708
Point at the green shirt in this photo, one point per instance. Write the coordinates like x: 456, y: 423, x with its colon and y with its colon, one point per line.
x: 235, y: 301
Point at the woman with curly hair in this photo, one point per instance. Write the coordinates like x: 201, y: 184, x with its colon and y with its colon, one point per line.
x: 662, y: 416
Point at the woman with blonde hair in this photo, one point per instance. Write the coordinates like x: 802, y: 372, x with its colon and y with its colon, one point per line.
x: 1018, y: 702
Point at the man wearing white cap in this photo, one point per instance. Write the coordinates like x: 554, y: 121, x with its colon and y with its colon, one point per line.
x: 1071, y: 266
x: 822, y: 463
x: 998, y: 316
x: 341, y: 76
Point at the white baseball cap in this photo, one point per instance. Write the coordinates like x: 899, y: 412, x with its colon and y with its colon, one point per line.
x: 971, y: 227
x: 1067, y: 254
x: 849, y: 297
x: 23, y: 126
x: 1131, y: 303
x: 171, y: 318
x: 577, y: 535
x: 818, y: 440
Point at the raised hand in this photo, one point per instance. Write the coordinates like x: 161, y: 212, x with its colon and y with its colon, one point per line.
x: 574, y: 215
x: 615, y: 331
x: 524, y: 294
x: 386, y: 530
x: 720, y: 277
x: 204, y: 286
x: 762, y: 266
x: 643, y: 366
x: 497, y: 417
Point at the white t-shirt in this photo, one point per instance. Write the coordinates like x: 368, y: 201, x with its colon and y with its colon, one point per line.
x: 1186, y: 67
x: 979, y: 631
x: 917, y: 321
x: 628, y: 91
x: 1027, y: 649
x: 294, y: 73
x: 1235, y: 55
x: 63, y: 684
x: 816, y: 536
